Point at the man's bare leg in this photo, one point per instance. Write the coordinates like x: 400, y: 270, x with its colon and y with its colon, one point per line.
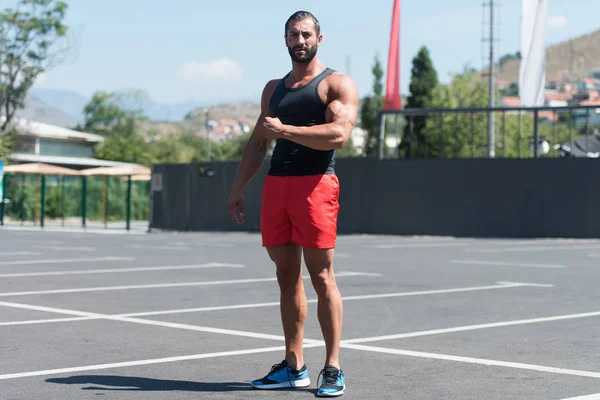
x: 330, y: 308
x: 293, y: 304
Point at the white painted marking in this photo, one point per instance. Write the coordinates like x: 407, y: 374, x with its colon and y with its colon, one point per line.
x: 411, y: 245
x: 159, y: 285
x: 67, y: 248
x: 45, y: 321
x: 147, y: 322
x: 588, y: 397
x: 65, y: 260
x: 141, y: 246
x: 531, y: 248
x: 507, y: 264
x: 473, y: 327
x: 147, y: 362
x: 592, y: 255
x: 121, y: 270
x: 19, y: 253
x: 178, y: 247
x: 472, y: 360
x: 343, y: 255
x: 503, y: 285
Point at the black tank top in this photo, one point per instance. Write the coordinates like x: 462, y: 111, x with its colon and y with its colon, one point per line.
x: 300, y: 106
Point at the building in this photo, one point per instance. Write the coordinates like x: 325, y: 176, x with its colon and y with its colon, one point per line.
x: 44, y: 143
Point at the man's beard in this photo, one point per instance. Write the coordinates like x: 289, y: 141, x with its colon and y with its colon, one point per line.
x: 310, y: 53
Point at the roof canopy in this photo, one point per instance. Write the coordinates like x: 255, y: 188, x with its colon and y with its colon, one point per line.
x: 40, y: 169
x: 125, y: 170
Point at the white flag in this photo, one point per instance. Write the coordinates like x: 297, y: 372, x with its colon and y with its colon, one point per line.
x: 532, y: 74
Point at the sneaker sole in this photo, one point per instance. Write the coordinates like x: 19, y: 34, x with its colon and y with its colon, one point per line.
x: 301, y: 383
x: 341, y: 392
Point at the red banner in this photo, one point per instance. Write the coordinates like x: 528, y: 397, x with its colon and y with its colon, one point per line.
x: 392, y: 90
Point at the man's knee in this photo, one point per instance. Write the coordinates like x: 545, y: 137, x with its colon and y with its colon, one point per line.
x: 287, y: 259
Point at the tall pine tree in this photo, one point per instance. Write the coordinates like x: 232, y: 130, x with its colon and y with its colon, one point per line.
x: 423, y: 82
x: 370, y: 108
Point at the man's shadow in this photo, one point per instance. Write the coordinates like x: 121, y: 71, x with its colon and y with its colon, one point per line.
x: 130, y: 383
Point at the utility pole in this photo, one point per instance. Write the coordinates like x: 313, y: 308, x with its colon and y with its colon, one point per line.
x: 491, y: 84
x: 207, y: 126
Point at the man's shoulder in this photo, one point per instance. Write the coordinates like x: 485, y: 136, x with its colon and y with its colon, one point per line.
x: 339, y: 83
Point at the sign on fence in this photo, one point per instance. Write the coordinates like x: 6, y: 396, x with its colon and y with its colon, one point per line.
x: 1, y: 181
x: 157, y: 182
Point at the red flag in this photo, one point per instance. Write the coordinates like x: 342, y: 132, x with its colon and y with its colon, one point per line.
x: 392, y: 90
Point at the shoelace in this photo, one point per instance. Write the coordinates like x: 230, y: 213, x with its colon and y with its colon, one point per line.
x: 278, y: 367
x: 329, y: 376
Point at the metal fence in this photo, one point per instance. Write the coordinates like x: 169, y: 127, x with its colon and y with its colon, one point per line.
x: 505, y: 132
x: 86, y: 201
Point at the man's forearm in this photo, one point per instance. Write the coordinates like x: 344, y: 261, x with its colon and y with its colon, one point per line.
x: 320, y: 137
x: 252, y: 159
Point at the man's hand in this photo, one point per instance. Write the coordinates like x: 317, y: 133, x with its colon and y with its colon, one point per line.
x: 274, y: 128
x: 236, y: 200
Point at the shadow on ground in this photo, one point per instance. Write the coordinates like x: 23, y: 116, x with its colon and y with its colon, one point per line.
x: 129, y: 383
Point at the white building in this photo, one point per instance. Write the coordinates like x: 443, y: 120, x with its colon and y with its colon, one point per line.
x: 44, y: 143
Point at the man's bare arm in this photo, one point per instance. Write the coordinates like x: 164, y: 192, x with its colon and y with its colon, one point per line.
x: 341, y: 117
x: 255, y: 151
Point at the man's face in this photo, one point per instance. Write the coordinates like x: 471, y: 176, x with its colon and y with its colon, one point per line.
x: 302, y: 40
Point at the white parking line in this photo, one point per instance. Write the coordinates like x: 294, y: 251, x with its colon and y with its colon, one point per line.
x: 532, y: 248
x: 46, y: 321
x: 472, y: 360
x: 473, y: 327
x: 592, y: 255
x: 146, y: 362
x: 67, y: 248
x: 500, y: 285
x: 588, y: 397
x: 146, y: 321
x: 507, y: 264
x: 122, y: 270
x: 19, y: 253
x: 344, y: 298
x: 163, y: 285
x: 411, y: 245
x: 64, y: 260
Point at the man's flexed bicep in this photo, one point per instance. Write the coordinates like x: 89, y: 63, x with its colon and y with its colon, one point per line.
x: 342, y: 110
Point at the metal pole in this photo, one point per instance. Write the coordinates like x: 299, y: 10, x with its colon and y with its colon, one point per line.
x: 2, y: 210
x: 207, y: 133
x: 381, y: 135
x: 83, y: 200
x: 492, y: 84
x: 128, y: 202
x: 536, y: 134
x: 43, y: 201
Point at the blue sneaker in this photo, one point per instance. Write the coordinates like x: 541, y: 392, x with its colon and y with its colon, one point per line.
x: 283, y: 376
x: 333, y: 383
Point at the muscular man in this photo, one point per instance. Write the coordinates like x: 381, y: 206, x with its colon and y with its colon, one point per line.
x: 310, y: 113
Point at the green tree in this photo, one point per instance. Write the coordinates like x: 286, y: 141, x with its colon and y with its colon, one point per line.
x: 424, y: 81
x: 464, y: 134
x: 30, y: 35
x: 104, y: 115
x: 370, y: 108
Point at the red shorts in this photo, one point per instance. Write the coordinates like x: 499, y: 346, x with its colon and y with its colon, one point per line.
x: 300, y: 209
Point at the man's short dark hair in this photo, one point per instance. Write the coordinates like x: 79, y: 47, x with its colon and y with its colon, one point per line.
x: 299, y: 16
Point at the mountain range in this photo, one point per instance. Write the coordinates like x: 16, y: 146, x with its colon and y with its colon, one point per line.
x: 65, y: 108
x: 572, y: 59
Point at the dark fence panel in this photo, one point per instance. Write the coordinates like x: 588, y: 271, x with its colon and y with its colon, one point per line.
x: 462, y: 197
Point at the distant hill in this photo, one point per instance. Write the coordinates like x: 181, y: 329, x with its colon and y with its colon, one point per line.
x: 72, y: 104
x: 36, y: 109
x: 572, y: 59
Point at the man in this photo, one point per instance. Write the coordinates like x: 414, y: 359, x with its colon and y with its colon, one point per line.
x: 310, y: 113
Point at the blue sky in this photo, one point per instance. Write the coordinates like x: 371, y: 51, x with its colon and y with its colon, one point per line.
x: 171, y: 49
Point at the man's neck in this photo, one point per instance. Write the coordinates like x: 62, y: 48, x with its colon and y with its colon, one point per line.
x: 302, y: 71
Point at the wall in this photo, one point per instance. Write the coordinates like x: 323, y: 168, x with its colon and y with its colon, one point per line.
x: 465, y: 197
